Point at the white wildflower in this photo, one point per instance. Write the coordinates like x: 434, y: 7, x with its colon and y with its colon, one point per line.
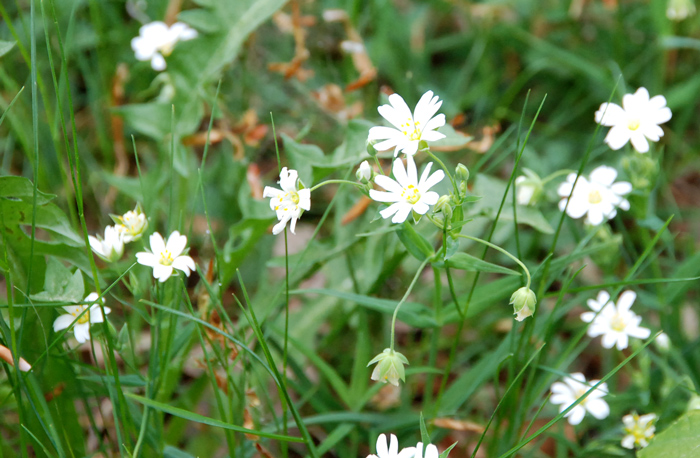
x: 635, y: 121
x: 156, y: 41
x: 81, y: 326
x: 616, y: 323
x: 389, y: 368
x: 132, y: 224
x: 431, y: 451
x: 638, y: 430
x: 163, y: 258
x: 406, y: 193
x: 290, y: 202
x: 599, y: 197
x: 111, y: 248
x: 409, y: 129
x: 678, y: 10
x: 575, y: 386
x: 392, y: 450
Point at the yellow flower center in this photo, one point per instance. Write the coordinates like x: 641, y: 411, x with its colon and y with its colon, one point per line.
x: 85, y: 318
x: 617, y: 323
x: 411, y: 130
x: 166, y: 258
x: 167, y: 49
x: 295, y: 198
x: 594, y: 197
x: 633, y: 124
x: 411, y: 194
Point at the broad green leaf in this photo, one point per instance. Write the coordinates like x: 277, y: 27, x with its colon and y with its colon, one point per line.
x: 411, y: 313
x: 22, y: 188
x: 150, y: 119
x: 303, y: 158
x: 680, y: 440
x: 191, y: 416
x: 6, y: 46
x: 71, y: 291
x: 464, y: 261
x: 414, y: 242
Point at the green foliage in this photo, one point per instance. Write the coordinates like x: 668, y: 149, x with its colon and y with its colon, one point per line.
x: 679, y: 440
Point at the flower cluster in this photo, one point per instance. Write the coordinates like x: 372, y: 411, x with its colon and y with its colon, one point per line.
x: 128, y: 228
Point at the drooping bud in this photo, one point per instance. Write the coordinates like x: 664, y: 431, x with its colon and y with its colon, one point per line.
x: 111, y: 247
x: 523, y: 302
x: 389, y: 367
x: 529, y: 188
x: 370, y: 147
x: 678, y: 10
x: 364, y: 173
x: 662, y: 342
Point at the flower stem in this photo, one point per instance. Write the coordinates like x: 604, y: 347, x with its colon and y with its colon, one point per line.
x: 403, y: 299
x: 323, y: 183
x: 556, y: 174
x: 379, y: 165
x: 444, y: 167
x: 496, y: 247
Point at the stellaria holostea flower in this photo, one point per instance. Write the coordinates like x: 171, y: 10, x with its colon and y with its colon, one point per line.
x: 523, y: 301
x: 575, y: 386
x: 392, y: 450
x: 81, y: 328
x: 599, y: 197
x: 132, y: 224
x: 635, y: 121
x: 389, y: 368
x: 409, y: 129
x: 616, y: 323
x: 290, y: 202
x: 431, y: 451
x: 638, y: 430
x: 405, y: 192
x: 156, y: 41
x: 111, y: 248
x: 164, y: 257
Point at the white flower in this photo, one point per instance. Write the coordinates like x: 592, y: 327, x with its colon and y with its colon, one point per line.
x: 598, y: 197
x: 111, y: 248
x: 678, y: 10
x: 662, y: 342
x: 615, y: 323
x: 431, y: 451
x: 132, y: 224
x: 406, y: 192
x: 289, y: 202
x: 166, y: 257
x: 156, y: 41
x: 389, y: 367
x: 409, y: 129
x: 529, y: 187
x: 392, y: 451
x: 572, y: 389
x: 81, y: 328
x: 639, y: 430
x: 364, y: 172
x: 637, y: 120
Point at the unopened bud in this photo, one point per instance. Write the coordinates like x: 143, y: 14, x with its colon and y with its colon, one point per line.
x: 444, y: 206
x: 678, y: 10
x: 523, y: 301
x: 462, y: 172
x: 364, y: 172
x: 662, y: 342
x: 389, y: 367
x: 529, y: 188
x: 370, y: 147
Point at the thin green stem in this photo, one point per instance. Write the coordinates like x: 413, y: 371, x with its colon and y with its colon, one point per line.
x: 323, y: 183
x: 403, y: 299
x: 557, y: 174
x: 496, y: 247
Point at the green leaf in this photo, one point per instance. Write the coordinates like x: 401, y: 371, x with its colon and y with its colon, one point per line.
x: 6, y: 46
x: 680, y: 440
x: 414, y: 242
x: 424, y: 436
x: 22, y: 188
x: 464, y: 261
x: 150, y: 119
x: 453, y: 140
x: 411, y: 313
x: 191, y: 416
x: 60, y: 290
x: 303, y: 158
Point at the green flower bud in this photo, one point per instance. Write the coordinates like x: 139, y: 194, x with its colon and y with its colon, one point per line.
x: 370, y: 147
x: 389, y: 367
x: 423, y: 146
x: 462, y: 172
x: 444, y: 206
x: 523, y: 301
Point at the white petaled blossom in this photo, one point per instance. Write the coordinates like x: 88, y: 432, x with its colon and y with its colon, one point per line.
x: 529, y: 188
x: 635, y: 121
x: 389, y: 368
x: 111, y: 248
x: 289, y: 202
x: 638, y: 430
x: 132, y: 224
x: 431, y: 451
x: 364, y: 172
x: 391, y: 450
x: 165, y: 257
x: 598, y: 197
x: 616, y: 323
x: 409, y: 128
x: 156, y: 41
x: 406, y: 193
x: 574, y: 386
x: 81, y: 328
x: 678, y: 10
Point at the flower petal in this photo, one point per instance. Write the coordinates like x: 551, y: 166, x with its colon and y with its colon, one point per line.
x: 176, y: 244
